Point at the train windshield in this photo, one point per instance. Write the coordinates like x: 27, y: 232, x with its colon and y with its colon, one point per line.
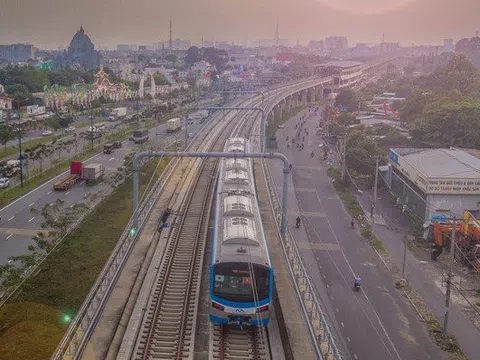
x: 233, y: 281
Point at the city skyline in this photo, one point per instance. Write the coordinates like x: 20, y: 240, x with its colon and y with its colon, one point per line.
x: 110, y: 23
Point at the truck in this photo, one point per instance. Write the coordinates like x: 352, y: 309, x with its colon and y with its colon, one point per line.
x: 140, y: 136
x: 93, y: 172
x: 9, y: 168
x: 173, y: 125
x: 78, y: 172
x: 117, y: 113
x: 108, y: 148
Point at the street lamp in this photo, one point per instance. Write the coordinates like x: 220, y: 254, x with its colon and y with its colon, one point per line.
x: 20, y: 142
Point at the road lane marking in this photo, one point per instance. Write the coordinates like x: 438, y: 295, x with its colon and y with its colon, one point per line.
x: 71, y: 206
x: 336, y: 309
x: 372, y: 308
x: 319, y: 246
x: 348, y: 339
x: 49, y: 192
x: 9, y: 236
x: 31, y: 219
x: 11, y: 218
x: 343, y: 325
x: 112, y: 158
x: 46, y: 183
x: 32, y: 203
x: 355, y: 356
x: 68, y: 192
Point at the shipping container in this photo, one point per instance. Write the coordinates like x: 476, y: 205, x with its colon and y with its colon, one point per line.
x: 93, y: 172
x: 173, y: 125
x: 76, y: 167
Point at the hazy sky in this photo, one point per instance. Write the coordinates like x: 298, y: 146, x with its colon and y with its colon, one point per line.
x: 52, y: 23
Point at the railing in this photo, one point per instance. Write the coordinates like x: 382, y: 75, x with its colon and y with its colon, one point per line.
x: 322, y: 338
x: 82, y: 325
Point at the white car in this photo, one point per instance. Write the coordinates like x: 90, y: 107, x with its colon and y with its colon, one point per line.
x: 47, y: 133
x: 70, y: 129
x: 4, y: 182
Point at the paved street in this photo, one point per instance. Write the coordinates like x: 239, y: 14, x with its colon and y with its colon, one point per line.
x: 391, y: 226
x: 375, y: 323
x: 18, y: 224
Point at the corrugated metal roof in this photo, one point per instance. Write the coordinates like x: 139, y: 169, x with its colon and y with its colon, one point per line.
x: 442, y: 163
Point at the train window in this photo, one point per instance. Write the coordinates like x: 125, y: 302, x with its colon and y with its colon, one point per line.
x: 233, y: 281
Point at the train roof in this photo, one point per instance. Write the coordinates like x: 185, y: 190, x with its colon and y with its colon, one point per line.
x: 239, y: 230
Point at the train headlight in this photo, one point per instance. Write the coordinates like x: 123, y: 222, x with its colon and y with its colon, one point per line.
x: 217, y: 306
x: 262, y: 309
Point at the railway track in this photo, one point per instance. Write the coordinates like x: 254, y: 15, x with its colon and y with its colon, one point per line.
x: 168, y: 328
x: 233, y: 343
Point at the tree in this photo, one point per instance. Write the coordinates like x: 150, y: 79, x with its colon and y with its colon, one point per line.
x: 348, y: 98
x: 6, y: 134
x: 171, y: 57
x: 192, y: 80
x: 347, y: 119
x: 193, y: 55
x: 65, y: 121
x: 18, y: 92
x: 160, y: 79
x: 409, y: 69
x: 216, y: 57
x: 53, y: 123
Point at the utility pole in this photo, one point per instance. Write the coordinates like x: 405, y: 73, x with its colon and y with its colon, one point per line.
x: 376, y: 183
x: 342, y: 146
x: 20, y: 143
x: 404, y: 255
x: 170, y: 35
x: 449, y: 276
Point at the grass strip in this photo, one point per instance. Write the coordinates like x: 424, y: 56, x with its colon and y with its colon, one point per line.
x: 35, y: 319
x: 354, y: 209
x: 13, y: 149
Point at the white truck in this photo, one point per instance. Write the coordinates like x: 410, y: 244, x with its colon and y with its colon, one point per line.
x: 93, y: 172
x: 173, y: 125
x: 117, y: 113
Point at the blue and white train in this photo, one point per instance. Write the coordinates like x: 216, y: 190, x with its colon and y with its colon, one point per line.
x: 241, y: 273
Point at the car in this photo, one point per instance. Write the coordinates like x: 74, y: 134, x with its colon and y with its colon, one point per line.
x: 70, y: 129
x: 47, y: 133
x: 4, y: 182
x: 117, y: 144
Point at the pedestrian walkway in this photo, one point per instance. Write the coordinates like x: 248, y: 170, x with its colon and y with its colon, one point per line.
x: 392, y: 231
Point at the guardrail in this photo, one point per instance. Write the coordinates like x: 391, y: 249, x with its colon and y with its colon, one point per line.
x: 82, y: 325
x: 322, y: 338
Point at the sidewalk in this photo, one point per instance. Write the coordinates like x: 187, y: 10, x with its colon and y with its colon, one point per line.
x: 391, y: 226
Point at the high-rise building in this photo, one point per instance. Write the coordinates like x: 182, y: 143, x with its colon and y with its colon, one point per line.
x: 448, y: 45
x: 17, y: 52
x: 316, y: 45
x: 123, y: 47
x: 336, y: 43
x: 389, y: 47
x: 80, y: 54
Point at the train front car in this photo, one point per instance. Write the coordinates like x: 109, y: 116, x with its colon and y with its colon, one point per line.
x: 241, y: 275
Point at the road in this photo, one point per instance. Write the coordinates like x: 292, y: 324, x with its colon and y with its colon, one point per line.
x: 18, y: 224
x: 375, y: 323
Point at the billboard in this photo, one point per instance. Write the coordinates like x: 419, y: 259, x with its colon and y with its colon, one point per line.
x: 436, y: 185
x: 35, y: 110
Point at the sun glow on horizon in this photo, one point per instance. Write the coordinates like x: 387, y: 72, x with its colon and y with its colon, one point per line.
x: 366, y: 6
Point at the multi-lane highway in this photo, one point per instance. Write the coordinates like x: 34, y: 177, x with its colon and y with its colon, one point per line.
x: 18, y: 223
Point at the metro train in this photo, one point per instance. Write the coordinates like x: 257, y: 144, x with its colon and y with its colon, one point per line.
x: 241, y: 273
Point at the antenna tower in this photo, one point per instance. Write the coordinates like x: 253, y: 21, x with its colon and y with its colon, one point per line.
x: 276, y: 35
x: 170, y: 43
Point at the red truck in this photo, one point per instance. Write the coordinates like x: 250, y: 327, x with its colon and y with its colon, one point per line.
x: 76, y: 168
x: 78, y: 172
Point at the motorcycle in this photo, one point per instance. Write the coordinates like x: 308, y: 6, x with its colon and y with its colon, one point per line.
x: 356, y: 286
